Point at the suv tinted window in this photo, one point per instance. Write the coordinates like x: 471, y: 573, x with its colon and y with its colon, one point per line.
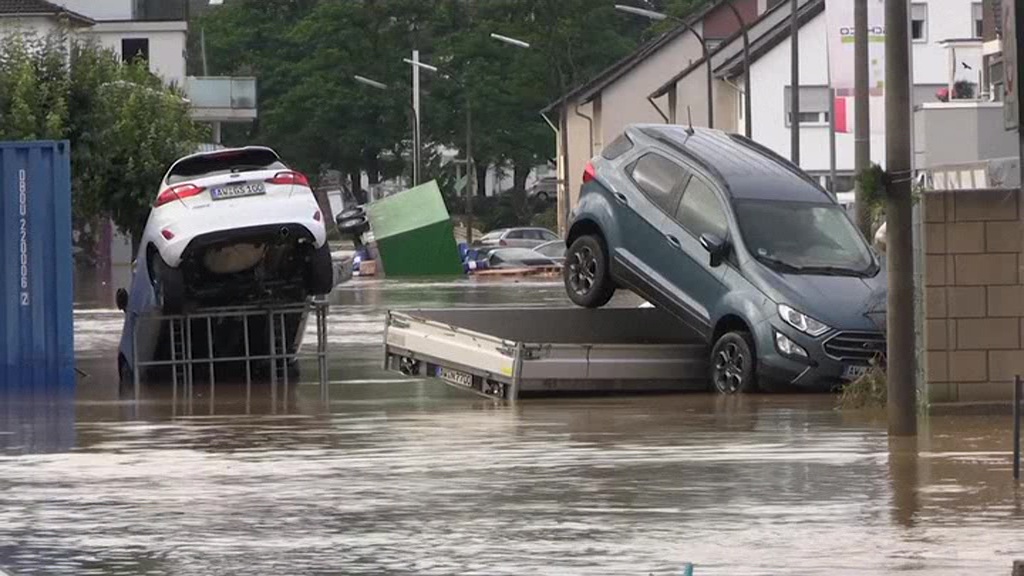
x: 700, y: 211
x: 618, y: 147
x: 548, y: 235
x: 658, y: 176
x: 515, y: 235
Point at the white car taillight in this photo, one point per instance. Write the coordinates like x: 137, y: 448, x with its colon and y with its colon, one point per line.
x: 289, y: 177
x: 177, y: 193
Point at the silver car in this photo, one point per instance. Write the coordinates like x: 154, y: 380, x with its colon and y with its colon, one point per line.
x: 517, y: 238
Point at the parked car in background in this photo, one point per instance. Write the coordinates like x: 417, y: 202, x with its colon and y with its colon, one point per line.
x: 500, y: 258
x: 517, y: 237
x: 544, y: 189
x: 737, y: 242
x: 554, y: 250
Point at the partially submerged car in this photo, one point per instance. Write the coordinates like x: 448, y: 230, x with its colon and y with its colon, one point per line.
x: 738, y: 243
x: 230, y: 227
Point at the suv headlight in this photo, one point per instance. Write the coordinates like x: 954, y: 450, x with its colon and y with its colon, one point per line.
x: 802, y: 322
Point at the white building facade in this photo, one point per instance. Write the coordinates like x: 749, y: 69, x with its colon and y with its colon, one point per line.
x: 946, y: 49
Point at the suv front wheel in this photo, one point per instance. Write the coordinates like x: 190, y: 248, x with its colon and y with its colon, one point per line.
x: 733, y: 364
x: 587, y: 281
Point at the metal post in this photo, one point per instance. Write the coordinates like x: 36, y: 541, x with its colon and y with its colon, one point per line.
x: 188, y: 362
x: 832, y: 141
x: 273, y: 360
x: 174, y: 363
x: 284, y: 358
x: 248, y: 363
x: 902, y: 357
x: 794, y: 83
x: 209, y: 352
x: 470, y: 170
x: 862, y: 111
x: 416, y: 112
x: 1018, y: 395
x: 748, y: 122
x: 517, y: 373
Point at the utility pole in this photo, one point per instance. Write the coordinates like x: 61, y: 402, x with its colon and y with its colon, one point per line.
x: 862, y: 111
x: 794, y: 83
x: 470, y: 169
x: 902, y: 357
x: 416, y: 160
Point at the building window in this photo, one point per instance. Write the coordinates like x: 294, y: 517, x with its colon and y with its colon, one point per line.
x: 919, y: 22
x: 978, y: 19
x: 134, y: 48
x: 814, y: 106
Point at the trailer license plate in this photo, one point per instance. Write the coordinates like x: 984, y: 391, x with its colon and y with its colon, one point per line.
x: 851, y: 373
x: 238, y: 190
x: 455, y: 377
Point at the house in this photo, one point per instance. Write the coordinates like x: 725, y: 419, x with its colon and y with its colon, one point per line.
x: 155, y: 31
x: 598, y: 110
x: 666, y: 81
x: 945, y: 50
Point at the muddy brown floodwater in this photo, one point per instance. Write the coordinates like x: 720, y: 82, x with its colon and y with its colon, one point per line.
x: 402, y: 476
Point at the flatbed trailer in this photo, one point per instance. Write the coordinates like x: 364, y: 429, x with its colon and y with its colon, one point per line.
x: 507, y: 352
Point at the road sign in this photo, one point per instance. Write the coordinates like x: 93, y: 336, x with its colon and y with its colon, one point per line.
x: 1010, y: 73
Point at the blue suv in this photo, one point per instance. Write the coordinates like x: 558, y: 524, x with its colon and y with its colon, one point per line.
x: 740, y: 245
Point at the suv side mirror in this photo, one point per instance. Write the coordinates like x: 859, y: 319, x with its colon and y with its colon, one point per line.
x: 121, y: 299
x: 716, y: 247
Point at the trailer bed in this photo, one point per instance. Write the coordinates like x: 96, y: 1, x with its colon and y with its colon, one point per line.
x: 508, y: 352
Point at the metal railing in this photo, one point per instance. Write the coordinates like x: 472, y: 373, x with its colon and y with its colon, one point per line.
x: 232, y: 93
x: 183, y: 360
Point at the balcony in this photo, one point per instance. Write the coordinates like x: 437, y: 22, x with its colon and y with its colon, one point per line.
x: 222, y: 99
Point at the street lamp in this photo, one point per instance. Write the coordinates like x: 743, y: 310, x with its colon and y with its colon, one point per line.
x: 658, y: 16
x: 470, y: 170
x: 510, y: 41
x: 415, y: 125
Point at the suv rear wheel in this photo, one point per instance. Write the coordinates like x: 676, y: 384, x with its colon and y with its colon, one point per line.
x: 733, y: 364
x: 587, y: 281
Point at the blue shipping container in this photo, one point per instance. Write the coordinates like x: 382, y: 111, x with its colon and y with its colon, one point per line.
x: 36, y: 291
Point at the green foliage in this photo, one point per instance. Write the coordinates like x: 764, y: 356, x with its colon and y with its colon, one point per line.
x: 125, y: 127
x: 305, y: 53
x: 871, y: 182
x: 868, y: 392
x: 546, y: 219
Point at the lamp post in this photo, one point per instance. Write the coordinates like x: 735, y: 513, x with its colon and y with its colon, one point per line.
x: 415, y: 124
x: 470, y: 169
x: 658, y: 16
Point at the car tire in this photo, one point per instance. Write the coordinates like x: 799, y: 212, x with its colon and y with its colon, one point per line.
x: 585, y: 273
x: 733, y: 366
x: 125, y: 376
x: 351, y: 213
x: 355, y: 226
x: 320, y: 272
x: 168, y: 283
x: 542, y: 197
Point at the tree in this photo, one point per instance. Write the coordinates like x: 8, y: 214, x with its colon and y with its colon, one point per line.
x: 124, y: 125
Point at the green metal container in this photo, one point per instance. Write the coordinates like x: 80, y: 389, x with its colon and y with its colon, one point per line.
x: 413, y: 234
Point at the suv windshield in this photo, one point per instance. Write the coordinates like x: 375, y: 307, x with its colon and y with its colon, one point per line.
x: 803, y: 237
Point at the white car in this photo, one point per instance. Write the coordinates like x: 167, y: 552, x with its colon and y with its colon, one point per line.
x: 235, y: 226
x: 227, y: 228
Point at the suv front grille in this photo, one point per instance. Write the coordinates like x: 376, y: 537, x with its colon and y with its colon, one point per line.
x: 856, y: 346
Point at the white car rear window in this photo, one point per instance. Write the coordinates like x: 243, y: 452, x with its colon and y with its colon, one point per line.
x: 224, y: 162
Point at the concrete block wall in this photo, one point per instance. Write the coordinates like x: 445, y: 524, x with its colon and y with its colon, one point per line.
x: 973, y: 298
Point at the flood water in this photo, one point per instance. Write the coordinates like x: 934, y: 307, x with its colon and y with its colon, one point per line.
x: 402, y: 476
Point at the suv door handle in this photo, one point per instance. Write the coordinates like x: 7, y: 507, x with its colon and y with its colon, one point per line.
x: 622, y: 198
x: 674, y: 241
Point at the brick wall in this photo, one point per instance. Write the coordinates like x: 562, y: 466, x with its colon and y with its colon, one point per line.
x: 974, y: 314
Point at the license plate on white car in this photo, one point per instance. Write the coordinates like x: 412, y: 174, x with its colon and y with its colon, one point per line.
x: 455, y: 377
x: 238, y: 190
x: 851, y: 373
